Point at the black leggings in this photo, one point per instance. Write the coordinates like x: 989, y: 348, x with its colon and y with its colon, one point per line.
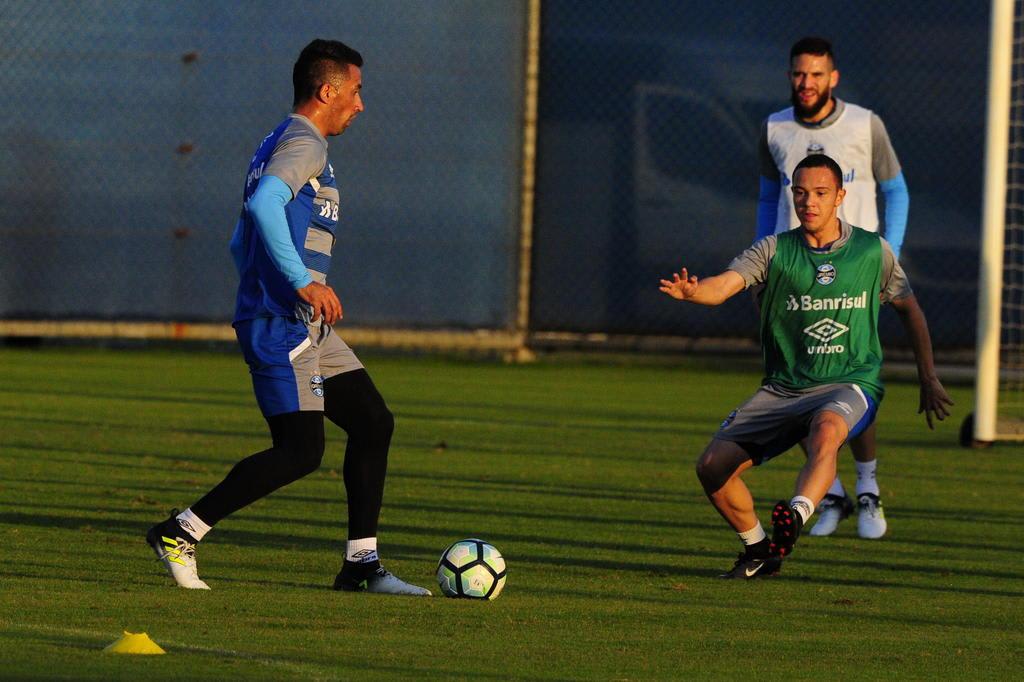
x: 352, y: 402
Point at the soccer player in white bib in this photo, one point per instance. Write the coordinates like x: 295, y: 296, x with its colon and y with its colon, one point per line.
x: 820, y: 290
x: 819, y: 123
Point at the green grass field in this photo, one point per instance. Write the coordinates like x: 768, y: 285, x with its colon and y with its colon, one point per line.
x: 580, y: 473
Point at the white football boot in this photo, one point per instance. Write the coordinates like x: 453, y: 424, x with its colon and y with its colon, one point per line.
x: 870, y: 517
x: 381, y: 582
x: 176, y: 553
x: 831, y: 510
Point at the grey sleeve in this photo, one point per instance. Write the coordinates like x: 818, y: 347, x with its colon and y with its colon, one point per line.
x: 764, y: 153
x: 752, y: 264
x: 894, y: 280
x: 884, y: 164
x: 297, y: 159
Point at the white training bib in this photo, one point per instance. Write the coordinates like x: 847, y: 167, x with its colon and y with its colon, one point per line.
x: 847, y: 141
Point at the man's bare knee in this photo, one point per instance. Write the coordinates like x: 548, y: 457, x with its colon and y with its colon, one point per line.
x: 828, y: 430
x: 719, y: 462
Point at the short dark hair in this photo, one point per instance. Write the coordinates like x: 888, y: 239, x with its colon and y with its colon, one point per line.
x: 821, y: 161
x: 813, y: 45
x: 320, y: 62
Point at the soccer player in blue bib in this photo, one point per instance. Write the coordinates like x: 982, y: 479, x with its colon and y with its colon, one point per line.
x: 284, y: 315
x: 820, y: 123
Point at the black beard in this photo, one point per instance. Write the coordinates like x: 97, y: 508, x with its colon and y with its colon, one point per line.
x: 809, y: 112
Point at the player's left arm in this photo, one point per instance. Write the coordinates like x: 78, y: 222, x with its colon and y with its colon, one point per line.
x: 896, y: 290
x: 887, y: 172
x: 934, y: 399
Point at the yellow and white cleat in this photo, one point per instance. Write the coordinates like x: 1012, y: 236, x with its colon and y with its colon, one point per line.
x: 176, y: 549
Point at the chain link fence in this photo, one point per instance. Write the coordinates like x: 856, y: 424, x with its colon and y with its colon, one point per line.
x: 649, y: 119
x: 127, y: 128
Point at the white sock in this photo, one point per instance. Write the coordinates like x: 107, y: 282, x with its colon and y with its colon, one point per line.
x: 753, y: 536
x: 361, y: 551
x: 802, y: 506
x: 866, y: 482
x: 192, y: 524
x: 837, y: 488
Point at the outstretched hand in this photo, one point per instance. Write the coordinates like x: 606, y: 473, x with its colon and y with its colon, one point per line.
x: 682, y: 286
x: 934, y: 401
x: 323, y: 300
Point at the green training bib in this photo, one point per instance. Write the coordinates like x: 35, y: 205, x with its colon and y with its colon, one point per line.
x: 819, y: 314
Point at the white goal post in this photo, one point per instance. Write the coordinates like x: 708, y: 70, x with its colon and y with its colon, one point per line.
x: 999, y: 340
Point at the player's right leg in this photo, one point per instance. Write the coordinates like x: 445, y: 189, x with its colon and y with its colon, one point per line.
x: 758, y: 430
x: 719, y: 468
x: 296, y: 428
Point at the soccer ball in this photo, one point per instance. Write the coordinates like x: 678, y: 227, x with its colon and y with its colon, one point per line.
x: 471, y: 569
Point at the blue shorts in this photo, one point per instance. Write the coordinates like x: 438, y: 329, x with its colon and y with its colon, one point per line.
x: 289, y: 362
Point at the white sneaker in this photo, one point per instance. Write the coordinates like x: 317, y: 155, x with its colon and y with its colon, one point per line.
x: 381, y: 582
x: 870, y: 517
x: 831, y: 510
x: 177, y: 554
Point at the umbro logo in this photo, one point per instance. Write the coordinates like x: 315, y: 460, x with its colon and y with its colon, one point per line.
x: 826, y: 330
x: 363, y: 553
x: 186, y: 525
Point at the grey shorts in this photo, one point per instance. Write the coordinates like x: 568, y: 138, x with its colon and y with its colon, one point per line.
x: 290, y: 360
x: 775, y: 419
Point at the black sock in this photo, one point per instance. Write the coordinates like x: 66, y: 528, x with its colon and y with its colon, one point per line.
x: 351, y: 570
x: 758, y: 549
x: 298, y: 448
x: 352, y: 402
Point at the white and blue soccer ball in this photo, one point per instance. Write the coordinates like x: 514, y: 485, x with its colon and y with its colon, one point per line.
x: 471, y: 569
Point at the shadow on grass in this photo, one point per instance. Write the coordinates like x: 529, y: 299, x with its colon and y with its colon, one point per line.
x: 702, y: 429
x: 82, y: 642
x: 335, y: 448
x: 263, y: 540
x: 200, y: 397
x: 884, y: 584
x: 245, y: 538
x: 448, y: 480
x: 335, y: 441
x: 589, y: 491
x: 902, y: 620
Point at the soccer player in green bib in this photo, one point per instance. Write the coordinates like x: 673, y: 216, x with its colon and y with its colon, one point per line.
x: 821, y: 287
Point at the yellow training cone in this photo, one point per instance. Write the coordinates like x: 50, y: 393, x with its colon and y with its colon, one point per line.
x: 130, y: 643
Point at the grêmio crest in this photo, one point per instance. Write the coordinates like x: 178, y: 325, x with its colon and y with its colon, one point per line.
x: 826, y: 274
